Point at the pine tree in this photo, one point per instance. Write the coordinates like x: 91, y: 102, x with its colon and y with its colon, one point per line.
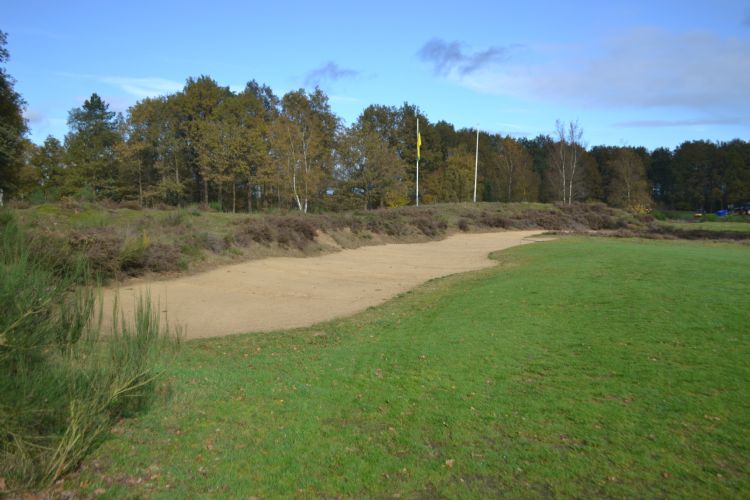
x: 91, y: 147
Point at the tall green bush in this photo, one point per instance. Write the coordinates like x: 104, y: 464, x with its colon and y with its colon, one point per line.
x: 62, y: 383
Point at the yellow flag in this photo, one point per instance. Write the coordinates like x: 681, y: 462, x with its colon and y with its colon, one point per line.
x: 419, y: 143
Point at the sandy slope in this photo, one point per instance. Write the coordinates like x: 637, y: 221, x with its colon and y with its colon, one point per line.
x: 285, y: 292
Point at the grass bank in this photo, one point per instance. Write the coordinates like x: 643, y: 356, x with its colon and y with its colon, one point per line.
x: 738, y: 226
x: 583, y: 367
x: 124, y: 242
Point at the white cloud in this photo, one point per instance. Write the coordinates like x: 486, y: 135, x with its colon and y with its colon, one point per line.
x: 138, y: 87
x: 644, y: 68
x: 142, y: 87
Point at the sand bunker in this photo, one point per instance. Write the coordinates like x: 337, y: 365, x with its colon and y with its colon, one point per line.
x: 285, y: 292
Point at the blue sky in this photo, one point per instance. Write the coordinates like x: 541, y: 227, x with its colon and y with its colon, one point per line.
x: 633, y: 73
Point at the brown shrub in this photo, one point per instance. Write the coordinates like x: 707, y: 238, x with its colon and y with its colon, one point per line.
x: 175, y: 218
x: 645, y: 218
x: 101, y: 246
x: 294, y: 232
x: 130, y: 205
x: 429, y: 226
x: 253, y: 231
x: 596, y: 216
x: 19, y: 204
x: 69, y: 203
x: 493, y: 220
x: 160, y: 257
x: 544, y: 219
x: 386, y: 222
x: 211, y: 241
x: 304, y: 227
x: 107, y: 204
x: 337, y: 221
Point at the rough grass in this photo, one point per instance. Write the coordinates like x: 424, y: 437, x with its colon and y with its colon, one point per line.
x: 583, y: 367
x: 740, y: 226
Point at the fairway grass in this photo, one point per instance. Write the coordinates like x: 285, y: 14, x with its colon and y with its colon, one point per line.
x: 578, y: 367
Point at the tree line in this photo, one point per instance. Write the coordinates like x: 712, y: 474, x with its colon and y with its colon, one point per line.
x: 253, y: 150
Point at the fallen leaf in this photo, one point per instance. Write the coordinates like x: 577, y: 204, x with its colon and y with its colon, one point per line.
x: 449, y: 463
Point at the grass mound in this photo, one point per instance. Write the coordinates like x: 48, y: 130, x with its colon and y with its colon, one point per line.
x: 62, y: 385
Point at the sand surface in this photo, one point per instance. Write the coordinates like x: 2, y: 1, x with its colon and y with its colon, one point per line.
x: 286, y: 292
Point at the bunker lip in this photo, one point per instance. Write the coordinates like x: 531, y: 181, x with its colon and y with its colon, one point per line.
x: 285, y: 292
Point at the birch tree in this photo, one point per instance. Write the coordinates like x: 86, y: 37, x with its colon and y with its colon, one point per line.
x: 565, y: 158
x: 628, y: 187
x: 310, y: 129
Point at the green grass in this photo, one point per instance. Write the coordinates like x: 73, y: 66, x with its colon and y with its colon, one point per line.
x: 583, y: 367
x: 742, y: 227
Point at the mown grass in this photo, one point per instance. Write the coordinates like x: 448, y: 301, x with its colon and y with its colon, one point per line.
x: 582, y: 367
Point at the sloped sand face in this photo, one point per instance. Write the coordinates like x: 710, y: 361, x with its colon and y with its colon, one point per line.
x: 285, y: 292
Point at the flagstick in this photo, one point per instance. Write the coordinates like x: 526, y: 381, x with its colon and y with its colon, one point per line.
x: 417, y: 193
x: 476, y: 167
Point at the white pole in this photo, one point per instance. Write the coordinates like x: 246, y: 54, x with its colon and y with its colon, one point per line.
x: 417, y: 193
x: 476, y: 167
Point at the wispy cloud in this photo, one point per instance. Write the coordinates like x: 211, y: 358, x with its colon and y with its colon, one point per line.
x: 644, y: 68
x: 698, y: 122
x: 331, y: 72
x: 138, y: 87
x: 142, y: 87
x: 34, y: 116
x: 118, y: 103
x: 452, y: 57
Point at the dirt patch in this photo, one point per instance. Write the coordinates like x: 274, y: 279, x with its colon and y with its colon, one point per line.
x: 283, y: 292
